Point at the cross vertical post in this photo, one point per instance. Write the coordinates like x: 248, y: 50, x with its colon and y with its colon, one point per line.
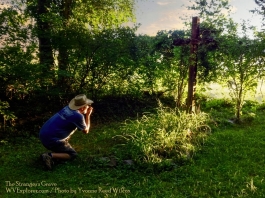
x: 191, y: 103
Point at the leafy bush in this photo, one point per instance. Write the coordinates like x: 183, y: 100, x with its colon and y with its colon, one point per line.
x: 7, y: 119
x: 166, y: 136
x: 218, y: 104
x: 261, y: 106
x: 6, y: 114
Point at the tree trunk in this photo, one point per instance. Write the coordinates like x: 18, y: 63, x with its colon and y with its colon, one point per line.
x: 63, y: 57
x: 44, y: 36
x: 63, y: 63
x: 239, y: 103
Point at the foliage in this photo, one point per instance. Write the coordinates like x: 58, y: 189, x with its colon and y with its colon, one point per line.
x: 260, y: 10
x: 100, y: 64
x: 220, y: 111
x: 7, y: 115
x: 18, y: 73
x: 241, y: 65
x: 218, y: 104
x: 214, y: 16
x: 58, y: 23
x: 94, y: 52
x: 210, y: 8
x: 233, y: 56
x: 163, y: 63
x: 164, y: 136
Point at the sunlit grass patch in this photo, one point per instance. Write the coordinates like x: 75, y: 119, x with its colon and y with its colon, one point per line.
x: 168, y: 136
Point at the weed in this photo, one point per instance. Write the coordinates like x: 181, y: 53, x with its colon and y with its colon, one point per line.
x: 169, y: 135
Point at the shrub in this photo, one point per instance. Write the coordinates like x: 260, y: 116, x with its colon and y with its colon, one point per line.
x: 218, y: 104
x: 7, y: 115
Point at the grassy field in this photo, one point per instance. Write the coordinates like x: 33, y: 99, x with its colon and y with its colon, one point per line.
x: 229, y: 164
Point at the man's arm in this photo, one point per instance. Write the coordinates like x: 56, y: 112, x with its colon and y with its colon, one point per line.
x: 87, y: 119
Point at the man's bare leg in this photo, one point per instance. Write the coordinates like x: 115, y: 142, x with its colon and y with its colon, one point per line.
x: 64, y: 156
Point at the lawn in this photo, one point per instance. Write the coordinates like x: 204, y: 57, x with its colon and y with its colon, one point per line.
x: 229, y: 164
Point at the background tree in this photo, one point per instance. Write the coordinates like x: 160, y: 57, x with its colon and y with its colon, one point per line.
x: 19, y: 75
x: 58, y: 21
x: 261, y: 9
x: 162, y: 66
x: 232, y: 54
x: 175, y: 63
x: 241, y: 62
x: 101, y: 62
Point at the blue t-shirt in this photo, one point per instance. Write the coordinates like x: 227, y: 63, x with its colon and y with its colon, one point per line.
x: 61, y: 125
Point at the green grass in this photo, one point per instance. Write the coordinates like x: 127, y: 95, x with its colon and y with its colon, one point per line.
x: 230, y: 164
x: 165, y: 137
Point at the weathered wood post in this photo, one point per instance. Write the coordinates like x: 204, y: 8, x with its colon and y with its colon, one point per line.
x: 191, y: 103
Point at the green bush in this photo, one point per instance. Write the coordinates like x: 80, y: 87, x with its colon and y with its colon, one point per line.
x: 6, y: 114
x: 168, y: 135
x: 219, y: 104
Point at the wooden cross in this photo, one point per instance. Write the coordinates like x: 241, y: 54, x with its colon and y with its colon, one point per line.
x: 194, y: 42
x: 195, y: 32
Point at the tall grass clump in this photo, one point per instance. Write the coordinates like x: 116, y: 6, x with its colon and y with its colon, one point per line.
x: 167, y: 136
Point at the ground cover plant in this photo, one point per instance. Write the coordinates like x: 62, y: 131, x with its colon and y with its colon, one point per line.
x: 167, y: 136
x: 229, y: 164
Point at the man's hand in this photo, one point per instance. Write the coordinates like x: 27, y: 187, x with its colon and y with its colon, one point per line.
x: 86, y: 131
x: 87, y: 119
x: 89, y: 111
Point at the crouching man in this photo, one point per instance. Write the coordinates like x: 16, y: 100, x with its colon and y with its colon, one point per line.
x: 56, y: 132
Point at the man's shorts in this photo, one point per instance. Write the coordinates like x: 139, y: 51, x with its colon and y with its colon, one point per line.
x: 63, y: 147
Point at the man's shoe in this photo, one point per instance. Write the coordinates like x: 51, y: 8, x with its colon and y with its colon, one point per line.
x: 47, y: 160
